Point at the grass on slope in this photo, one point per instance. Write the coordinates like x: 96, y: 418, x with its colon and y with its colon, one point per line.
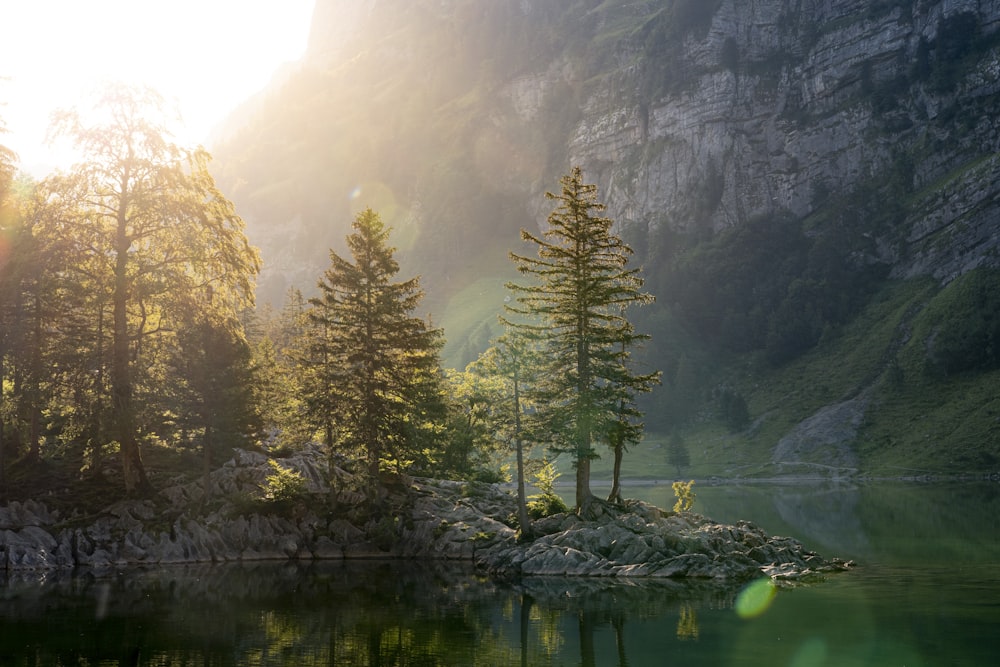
x: 916, y: 423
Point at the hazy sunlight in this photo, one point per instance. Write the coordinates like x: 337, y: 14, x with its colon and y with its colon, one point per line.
x: 208, y: 57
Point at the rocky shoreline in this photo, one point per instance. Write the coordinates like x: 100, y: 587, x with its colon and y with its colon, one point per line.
x: 419, y: 519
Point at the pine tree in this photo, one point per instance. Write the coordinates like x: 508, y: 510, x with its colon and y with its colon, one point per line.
x: 378, y: 365
x: 577, y: 307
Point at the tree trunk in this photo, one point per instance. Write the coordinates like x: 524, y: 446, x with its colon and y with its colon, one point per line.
x: 206, y: 452
x: 34, y: 378
x: 523, y: 519
x: 374, y: 456
x: 35, y: 430
x: 121, y: 381
x: 96, y: 433
x: 583, y: 494
x: 616, y: 492
x: 3, y: 439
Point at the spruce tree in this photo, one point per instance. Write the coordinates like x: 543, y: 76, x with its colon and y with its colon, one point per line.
x: 576, y: 306
x: 379, y: 364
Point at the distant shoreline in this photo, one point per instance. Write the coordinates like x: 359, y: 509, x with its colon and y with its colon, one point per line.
x: 792, y: 480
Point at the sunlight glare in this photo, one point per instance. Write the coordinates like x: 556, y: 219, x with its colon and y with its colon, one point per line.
x: 208, y: 57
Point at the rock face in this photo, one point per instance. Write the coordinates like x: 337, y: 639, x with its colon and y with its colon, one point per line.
x: 419, y: 519
x: 704, y: 115
x: 775, y: 105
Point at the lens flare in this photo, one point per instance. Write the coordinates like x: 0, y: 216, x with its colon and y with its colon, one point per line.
x: 755, y: 598
x: 377, y: 196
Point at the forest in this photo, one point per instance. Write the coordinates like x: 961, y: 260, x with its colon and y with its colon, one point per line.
x: 131, y: 346
x: 142, y: 331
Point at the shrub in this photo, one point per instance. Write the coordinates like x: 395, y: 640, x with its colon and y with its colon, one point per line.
x: 685, y: 496
x: 283, y: 485
x: 547, y: 502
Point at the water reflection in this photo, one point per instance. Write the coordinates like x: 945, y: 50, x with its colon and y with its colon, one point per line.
x: 402, y: 614
x: 337, y: 614
x: 890, y: 523
x: 926, y: 594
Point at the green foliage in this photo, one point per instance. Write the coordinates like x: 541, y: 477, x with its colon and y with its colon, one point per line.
x: 470, y: 448
x: 685, y: 496
x: 544, y: 477
x: 283, y: 485
x: 964, y: 325
x: 548, y: 501
x: 375, y: 371
x: 732, y: 407
x: 767, y: 285
x: 677, y: 453
x: 545, y: 504
x: 576, y: 310
x: 118, y: 261
x: 214, y: 389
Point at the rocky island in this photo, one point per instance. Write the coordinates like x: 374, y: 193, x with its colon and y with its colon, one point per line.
x: 227, y: 516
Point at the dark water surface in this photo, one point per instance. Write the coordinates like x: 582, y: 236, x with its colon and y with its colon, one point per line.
x: 926, y: 592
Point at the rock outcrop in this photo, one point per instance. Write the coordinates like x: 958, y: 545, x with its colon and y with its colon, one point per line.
x: 639, y: 540
x: 417, y: 519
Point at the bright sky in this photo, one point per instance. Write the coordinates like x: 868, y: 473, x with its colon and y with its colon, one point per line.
x: 207, y: 56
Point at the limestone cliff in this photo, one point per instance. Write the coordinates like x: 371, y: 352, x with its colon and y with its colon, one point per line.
x: 710, y: 114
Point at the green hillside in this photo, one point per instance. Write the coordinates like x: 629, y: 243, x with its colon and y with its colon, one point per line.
x: 920, y: 420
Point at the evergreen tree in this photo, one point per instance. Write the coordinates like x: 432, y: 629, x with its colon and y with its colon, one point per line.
x: 214, y: 386
x: 677, y: 453
x: 475, y: 448
x: 576, y: 307
x: 378, y: 365
x: 300, y: 359
x: 511, y: 359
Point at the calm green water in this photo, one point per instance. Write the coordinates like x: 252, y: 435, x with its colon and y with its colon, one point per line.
x: 926, y: 592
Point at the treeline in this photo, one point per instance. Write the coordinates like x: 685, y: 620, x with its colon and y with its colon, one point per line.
x: 120, y: 291
x: 127, y: 325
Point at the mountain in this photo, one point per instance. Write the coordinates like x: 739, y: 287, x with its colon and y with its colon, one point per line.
x: 784, y: 169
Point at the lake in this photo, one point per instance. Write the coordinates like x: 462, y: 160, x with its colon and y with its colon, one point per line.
x: 926, y: 592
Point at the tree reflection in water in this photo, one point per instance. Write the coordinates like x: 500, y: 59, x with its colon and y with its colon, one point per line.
x: 367, y: 613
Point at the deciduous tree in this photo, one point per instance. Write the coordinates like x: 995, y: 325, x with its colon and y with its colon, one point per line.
x: 148, y: 213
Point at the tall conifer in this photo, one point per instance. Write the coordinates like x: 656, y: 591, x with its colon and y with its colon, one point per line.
x: 379, y: 363
x: 576, y: 305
